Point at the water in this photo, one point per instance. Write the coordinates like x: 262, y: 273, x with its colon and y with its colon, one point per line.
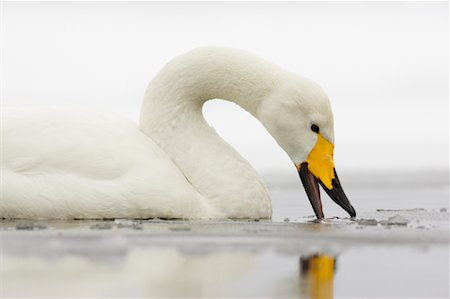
x: 148, y: 266
x: 296, y: 258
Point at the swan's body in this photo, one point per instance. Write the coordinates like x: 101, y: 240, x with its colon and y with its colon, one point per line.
x: 65, y: 163
x: 61, y: 163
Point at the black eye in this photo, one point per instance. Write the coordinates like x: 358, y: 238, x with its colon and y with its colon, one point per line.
x: 315, y: 128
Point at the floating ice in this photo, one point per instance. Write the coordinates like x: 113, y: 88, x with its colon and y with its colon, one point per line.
x: 401, y: 210
x: 30, y: 226
x: 180, y: 229
x: 397, y: 220
x: 101, y: 226
x: 128, y: 223
x: 124, y: 222
x: 367, y: 222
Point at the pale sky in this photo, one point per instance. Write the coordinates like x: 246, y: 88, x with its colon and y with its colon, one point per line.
x: 384, y: 66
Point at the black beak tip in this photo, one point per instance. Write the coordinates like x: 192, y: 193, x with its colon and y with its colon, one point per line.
x: 352, y: 212
x: 339, y: 197
x: 336, y: 193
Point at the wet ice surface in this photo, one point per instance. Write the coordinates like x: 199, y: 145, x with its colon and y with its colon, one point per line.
x: 396, y: 247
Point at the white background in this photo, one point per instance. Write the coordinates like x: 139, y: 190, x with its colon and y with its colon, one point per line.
x: 384, y: 66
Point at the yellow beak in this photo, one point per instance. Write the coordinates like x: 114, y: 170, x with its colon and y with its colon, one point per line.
x: 319, y: 168
x: 320, y: 161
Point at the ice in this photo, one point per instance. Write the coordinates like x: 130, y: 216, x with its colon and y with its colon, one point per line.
x: 397, y: 220
x: 30, y: 226
x: 367, y: 222
x: 101, y: 226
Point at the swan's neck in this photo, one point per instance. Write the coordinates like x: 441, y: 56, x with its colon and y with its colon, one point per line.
x: 172, y: 116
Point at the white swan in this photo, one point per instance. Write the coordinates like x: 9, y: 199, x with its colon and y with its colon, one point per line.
x: 62, y: 163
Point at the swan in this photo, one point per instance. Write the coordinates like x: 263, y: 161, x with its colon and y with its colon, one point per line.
x: 65, y: 163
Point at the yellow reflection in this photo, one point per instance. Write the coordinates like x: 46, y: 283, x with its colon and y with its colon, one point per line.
x: 318, y: 271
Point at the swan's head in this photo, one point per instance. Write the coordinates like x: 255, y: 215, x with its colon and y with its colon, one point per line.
x: 298, y: 115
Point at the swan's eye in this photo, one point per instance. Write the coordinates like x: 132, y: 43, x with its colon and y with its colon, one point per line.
x: 315, y: 128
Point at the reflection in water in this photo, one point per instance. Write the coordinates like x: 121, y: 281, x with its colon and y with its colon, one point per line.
x: 145, y: 266
x: 141, y: 273
x: 168, y: 272
x: 317, y: 274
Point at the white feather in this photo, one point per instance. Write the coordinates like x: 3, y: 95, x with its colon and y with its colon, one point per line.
x: 72, y: 163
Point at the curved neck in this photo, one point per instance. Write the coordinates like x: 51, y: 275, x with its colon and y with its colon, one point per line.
x: 172, y: 116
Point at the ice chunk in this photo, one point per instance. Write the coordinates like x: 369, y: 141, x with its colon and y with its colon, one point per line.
x: 367, y: 221
x: 101, y: 226
x: 30, y: 226
x: 128, y: 223
x: 397, y: 220
x: 124, y: 222
x: 180, y: 229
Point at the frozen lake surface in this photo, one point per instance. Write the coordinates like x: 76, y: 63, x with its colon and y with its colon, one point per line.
x: 398, y: 246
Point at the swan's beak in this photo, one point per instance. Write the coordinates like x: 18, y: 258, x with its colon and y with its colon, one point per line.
x: 319, y: 168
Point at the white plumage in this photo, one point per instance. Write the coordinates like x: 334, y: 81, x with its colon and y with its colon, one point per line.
x: 67, y: 163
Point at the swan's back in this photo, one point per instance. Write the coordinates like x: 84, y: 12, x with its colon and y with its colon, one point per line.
x: 66, y: 163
